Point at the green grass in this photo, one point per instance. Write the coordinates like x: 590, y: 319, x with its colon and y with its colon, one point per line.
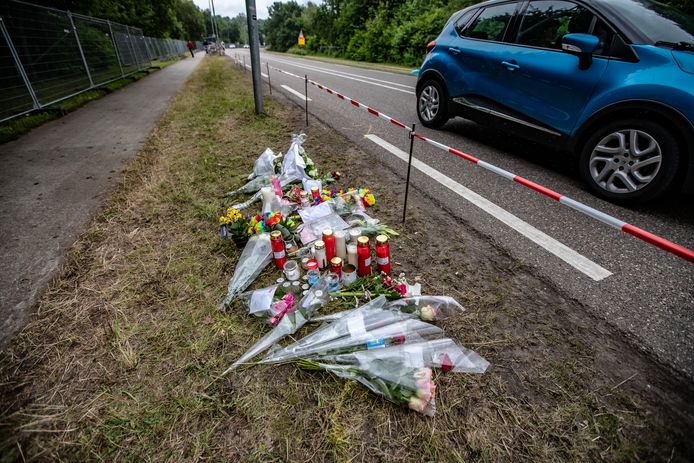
x: 399, y: 69
x: 15, y: 128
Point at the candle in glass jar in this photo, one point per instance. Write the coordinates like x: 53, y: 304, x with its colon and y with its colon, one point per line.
x: 352, y: 254
x: 315, y: 192
x: 354, y: 234
x: 336, y: 266
x: 319, y: 248
x: 278, y: 252
x: 329, y: 240
x: 383, y: 254
x: 363, y: 256
x: 340, y: 245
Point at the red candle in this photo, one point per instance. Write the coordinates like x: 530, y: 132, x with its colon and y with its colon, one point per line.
x: 336, y: 266
x: 315, y: 192
x: 278, y: 250
x: 383, y: 254
x: 363, y: 256
x: 329, y: 240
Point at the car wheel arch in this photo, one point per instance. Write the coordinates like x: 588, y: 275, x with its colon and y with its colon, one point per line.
x: 432, y: 74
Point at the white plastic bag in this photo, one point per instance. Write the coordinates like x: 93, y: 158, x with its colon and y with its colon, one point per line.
x: 264, y: 165
x: 293, y: 165
x: 255, y: 257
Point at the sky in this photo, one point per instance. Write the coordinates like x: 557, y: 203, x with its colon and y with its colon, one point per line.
x: 232, y: 8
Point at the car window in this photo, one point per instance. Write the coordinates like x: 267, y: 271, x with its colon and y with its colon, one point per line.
x: 463, y: 20
x: 603, y: 32
x: 492, y: 23
x: 545, y: 22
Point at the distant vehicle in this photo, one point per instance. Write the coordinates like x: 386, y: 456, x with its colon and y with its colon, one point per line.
x: 609, y: 81
x: 246, y: 46
x: 232, y: 46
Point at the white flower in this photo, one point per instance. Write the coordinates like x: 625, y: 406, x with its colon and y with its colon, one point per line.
x: 428, y: 313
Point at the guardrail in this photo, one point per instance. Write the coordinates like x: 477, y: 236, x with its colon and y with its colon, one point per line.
x: 48, y: 55
x: 591, y: 212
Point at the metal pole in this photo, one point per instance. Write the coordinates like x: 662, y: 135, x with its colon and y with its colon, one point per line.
x: 214, y: 23
x: 244, y: 63
x: 306, y: 96
x: 269, y: 84
x: 132, y: 48
x: 409, y: 167
x: 18, y: 63
x: 254, y: 43
x: 79, y: 46
x: 115, y: 47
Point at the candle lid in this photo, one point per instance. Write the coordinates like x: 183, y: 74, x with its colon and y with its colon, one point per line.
x: 319, y: 244
x: 363, y: 240
x: 336, y: 261
x: 327, y: 232
x: 381, y: 239
x: 276, y: 235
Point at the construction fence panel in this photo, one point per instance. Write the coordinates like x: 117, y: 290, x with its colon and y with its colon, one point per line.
x: 46, y: 45
x: 98, y: 48
x: 15, y: 97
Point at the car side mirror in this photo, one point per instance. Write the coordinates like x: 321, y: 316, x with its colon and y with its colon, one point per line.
x: 583, y: 45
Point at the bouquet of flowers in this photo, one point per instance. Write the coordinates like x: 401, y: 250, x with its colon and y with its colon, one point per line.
x: 255, y: 257
x: 444, y: 354
x: 289, y: 323
x: 265, y: 223
x: 375, y: 285
x: 402, y: 385
x: 359, y: 337
x: 426, y: 308
x: 234, y: 224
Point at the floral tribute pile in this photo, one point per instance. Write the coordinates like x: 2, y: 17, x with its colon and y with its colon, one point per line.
x: 320, y: 240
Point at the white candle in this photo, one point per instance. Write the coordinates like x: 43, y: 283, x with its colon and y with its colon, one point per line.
x: 340, y: 245
x: 352, y: 254
x: 267, y: 194
x: 354, y: 233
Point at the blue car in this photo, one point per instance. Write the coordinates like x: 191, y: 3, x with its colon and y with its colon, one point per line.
x: 608, y: 81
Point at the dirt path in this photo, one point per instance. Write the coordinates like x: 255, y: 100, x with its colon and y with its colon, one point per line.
x: 55, y: 178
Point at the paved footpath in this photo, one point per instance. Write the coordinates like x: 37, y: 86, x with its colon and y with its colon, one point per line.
x: 56, y: 178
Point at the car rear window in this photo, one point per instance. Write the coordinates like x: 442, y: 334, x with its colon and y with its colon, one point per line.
x: 658, y: 22
x: 492, y: 23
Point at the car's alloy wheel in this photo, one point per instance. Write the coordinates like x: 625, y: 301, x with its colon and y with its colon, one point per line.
x: 429, y: 103
x: 432, y: 109
x: 625, y: 161
x: 630, y: 160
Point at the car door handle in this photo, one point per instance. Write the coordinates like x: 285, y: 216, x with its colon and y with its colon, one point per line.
x: 454, y: 50
x: 510, y: 66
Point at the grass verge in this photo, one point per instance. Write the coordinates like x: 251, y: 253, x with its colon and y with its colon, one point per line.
x: 120, y: 361
x: 15, y: 128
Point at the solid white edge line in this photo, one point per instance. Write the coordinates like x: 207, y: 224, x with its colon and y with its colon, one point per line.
x: 343, y: 76
x: 262, y: 73
x: 294, y: 92
x: 314, y: 67
x: 565, y: 253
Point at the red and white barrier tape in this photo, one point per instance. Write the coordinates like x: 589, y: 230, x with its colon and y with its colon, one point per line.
x: 648, y: 237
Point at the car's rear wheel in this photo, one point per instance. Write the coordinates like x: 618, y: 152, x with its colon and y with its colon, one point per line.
x: 630, y: 160
x: 432, y: 105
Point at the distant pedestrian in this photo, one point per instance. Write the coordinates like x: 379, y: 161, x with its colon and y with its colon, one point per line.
x: 190, y: 47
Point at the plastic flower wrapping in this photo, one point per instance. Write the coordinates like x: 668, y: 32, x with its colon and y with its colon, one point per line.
x: 271, y: 303
x: 265, y: 164
x: 255, y: 257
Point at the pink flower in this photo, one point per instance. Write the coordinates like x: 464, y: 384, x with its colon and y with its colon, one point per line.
x: 401, y: 288
x: 424, y: 394
x: 423, y: 373
x: 446, y: 363
x: 417, y: 404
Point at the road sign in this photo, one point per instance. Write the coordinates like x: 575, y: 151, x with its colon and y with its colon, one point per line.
x: 302, y: 40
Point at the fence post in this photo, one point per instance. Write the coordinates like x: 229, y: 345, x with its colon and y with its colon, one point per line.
x: 306, y: 95
x: 18, y: 63
x: 132, y: 47
x: 409, y: 168
x: 269, y: 84
x: 115, y: 47
x: 79, y: 46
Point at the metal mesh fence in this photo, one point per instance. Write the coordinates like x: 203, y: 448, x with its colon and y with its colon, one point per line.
x: 47, y: 55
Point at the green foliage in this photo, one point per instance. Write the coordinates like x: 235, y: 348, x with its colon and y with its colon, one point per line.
x: 383, y: 31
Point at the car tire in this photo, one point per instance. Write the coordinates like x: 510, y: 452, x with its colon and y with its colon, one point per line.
x: 432, y: 104
x: 630, y: 161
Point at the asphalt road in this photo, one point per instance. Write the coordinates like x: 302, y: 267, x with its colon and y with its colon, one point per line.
x: 645, y: 292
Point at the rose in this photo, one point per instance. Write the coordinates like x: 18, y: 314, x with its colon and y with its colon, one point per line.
x: 423, y: 373
x: 428, y: 313
x: 446, y: 363
x: 417, y: 404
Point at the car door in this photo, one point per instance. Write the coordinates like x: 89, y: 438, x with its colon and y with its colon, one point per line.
x: 544, y: 83
x: 475, y: 48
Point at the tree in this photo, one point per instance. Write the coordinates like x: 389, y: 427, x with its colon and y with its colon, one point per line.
x: 284, y: 25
